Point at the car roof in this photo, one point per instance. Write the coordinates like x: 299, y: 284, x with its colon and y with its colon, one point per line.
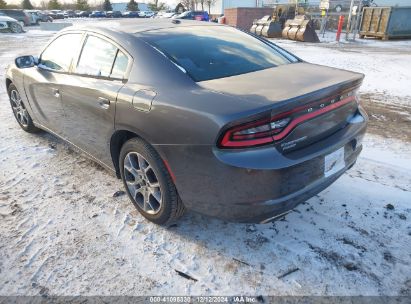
x: 137, y: 25
x: 11, y: 10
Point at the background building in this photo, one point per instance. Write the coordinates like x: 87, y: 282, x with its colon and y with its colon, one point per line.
x: 122, y: 6
x: 220, y: 5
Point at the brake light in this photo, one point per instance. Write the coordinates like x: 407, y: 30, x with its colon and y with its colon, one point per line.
x: 270, y: 129
x: 254, y: 134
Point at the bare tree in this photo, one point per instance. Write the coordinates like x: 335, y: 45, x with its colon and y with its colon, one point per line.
x: 43, y: 5
x: 202, y: 4
x: 186, y: 4
x: 210, y: 3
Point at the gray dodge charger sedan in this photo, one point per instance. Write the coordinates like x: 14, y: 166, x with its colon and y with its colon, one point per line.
x: 194, y: 115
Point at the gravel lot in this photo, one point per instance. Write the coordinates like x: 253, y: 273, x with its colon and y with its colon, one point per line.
x: 63, y: 233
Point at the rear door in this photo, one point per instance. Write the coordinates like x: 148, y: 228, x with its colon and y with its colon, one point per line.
x: 89, y: 96
x: 42, y: 82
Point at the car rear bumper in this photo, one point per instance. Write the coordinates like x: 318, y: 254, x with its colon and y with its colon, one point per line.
x: 256, y: 185
x: 271, y: 209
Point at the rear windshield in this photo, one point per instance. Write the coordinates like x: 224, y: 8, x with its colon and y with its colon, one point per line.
x: 211, y: 52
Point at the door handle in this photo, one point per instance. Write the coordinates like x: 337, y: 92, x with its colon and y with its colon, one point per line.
x: 56, y: 93
x: 104, y: 102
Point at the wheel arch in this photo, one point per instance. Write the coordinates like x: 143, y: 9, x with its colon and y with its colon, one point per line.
x: 118, y: 139
x: 8, y: 83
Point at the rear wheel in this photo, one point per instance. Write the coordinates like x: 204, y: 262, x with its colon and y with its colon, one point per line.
x: 148, y: 183
x: 19, y: 110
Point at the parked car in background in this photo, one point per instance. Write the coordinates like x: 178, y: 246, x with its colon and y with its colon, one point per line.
x: 97, y: 14
x: 194, y: 15
x: 69, y: 14
x: 34, y: 17
x: 114, y: 14
x: 42, y: 16
x: 146, y: 14
x: 37, y: 16
x: 56, y: 14
x: 198, y: 116
x: 83, y: 14
x: 8, y: 24
x: 130, y: 14
x: 49, y: 14
x: 18, y: 15
x: 166, y: 15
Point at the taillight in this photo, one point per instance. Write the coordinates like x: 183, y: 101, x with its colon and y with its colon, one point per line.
x: 268, y: 129
x: 252, y: 134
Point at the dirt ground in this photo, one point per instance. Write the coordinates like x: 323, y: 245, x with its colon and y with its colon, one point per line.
x: 62, y: 232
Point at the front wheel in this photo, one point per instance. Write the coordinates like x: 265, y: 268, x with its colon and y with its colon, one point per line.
x: 19, y: 110
x: 16, y: 27
x: 148, y: 183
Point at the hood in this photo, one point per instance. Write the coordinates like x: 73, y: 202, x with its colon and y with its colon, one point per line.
x: 283, y: 82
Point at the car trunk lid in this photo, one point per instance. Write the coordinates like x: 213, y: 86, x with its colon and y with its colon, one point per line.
x: 318, y: 100
x: 282, y: 83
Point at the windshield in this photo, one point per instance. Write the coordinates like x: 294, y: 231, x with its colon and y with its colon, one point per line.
x: 211, y: 52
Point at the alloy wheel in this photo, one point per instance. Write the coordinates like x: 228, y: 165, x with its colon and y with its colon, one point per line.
x: 142, y: 183
x: 19, y: 109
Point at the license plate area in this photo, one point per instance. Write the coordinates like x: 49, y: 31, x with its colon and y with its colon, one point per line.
x: 334, y: 162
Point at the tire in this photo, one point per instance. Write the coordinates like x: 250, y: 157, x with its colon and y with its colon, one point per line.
x: 16, y: 28
x: 19, y: 110
x: 142, y: 169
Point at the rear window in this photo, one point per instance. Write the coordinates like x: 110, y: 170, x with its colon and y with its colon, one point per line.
x: 211, y: 52
x: 97, y: 57
x: 101, y: 58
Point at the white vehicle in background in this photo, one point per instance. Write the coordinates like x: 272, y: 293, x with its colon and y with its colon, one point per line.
x: 145, y: 14
x: 8, y: 24
x: 167, y: 15
x: 34, y: 17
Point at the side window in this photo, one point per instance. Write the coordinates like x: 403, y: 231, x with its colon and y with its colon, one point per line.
x: 58, y: 55
x: 120, y: 66
x: 97, y: 57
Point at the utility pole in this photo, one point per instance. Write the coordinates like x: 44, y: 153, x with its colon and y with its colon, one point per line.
x: 358, y: 20
x: 349, y: 20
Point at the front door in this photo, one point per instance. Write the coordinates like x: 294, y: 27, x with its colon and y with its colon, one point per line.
x: 42, y: 82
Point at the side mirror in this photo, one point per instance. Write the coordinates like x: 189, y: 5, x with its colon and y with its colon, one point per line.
x: 24, y: 62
